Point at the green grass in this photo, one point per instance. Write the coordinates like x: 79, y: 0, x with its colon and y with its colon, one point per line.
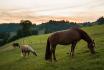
x: 10, y: 58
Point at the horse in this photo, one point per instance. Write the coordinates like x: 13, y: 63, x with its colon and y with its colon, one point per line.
x: 65, y: 37
x: 25, y: 49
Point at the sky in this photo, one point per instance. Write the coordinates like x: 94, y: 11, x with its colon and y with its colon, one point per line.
x: 40, y: 11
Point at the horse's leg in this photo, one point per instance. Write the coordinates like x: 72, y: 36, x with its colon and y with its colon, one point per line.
x: 24, y: 53
x: 28, y: 53
x: 72, y: 48
x: 21, y: 54
x: 53, y: 51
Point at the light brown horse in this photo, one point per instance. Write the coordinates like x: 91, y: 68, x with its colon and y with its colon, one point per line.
x: 25, y: 49
x: 66, y: 37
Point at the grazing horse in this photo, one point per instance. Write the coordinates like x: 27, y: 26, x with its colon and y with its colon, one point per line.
x: 66, y: 37
x: 25, y: 49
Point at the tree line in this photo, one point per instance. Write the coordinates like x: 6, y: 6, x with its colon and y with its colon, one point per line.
x: 27, y: 28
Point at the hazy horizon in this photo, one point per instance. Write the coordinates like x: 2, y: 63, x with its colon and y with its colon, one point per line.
x: 39, y: 11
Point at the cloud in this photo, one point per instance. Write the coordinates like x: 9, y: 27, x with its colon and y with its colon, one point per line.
x: 43, y: 10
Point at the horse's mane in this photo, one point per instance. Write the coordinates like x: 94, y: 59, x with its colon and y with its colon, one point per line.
x: 83, y: 35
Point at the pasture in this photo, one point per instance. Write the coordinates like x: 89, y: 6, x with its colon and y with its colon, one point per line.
x: 10, y: 58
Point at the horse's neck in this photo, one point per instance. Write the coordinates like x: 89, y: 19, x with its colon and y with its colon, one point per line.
x: 84, y: 35
x: 86, y: 38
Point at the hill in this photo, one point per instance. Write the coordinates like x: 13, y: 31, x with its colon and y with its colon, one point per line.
x: 12, y: 27
x: 10, y: 58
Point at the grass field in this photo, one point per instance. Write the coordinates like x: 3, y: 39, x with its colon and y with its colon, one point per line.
x: 10, y: 58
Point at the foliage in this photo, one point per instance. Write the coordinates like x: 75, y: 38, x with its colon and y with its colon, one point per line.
x: 100, y: 20
x: 10, y: 27
x: 26, y: 28
x: 4, y: 38
x: 53, y: 26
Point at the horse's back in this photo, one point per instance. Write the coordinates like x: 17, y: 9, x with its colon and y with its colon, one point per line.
x: 27, y: 47
x: 65, y: 36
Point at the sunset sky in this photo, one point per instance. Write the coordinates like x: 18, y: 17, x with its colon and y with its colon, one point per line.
x: 39, y: 11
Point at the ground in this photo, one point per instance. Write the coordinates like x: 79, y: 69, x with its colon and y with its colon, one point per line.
x: 10, y: 58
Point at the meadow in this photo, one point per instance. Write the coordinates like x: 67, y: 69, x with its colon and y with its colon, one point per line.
x: 10, y: 58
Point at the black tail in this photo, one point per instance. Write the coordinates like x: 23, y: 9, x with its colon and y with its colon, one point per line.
x: 48, y: 51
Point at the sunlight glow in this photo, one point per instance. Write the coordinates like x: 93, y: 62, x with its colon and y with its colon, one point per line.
x: 40, y: 11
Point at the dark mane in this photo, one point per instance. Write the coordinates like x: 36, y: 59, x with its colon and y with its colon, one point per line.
x: 83, y: 35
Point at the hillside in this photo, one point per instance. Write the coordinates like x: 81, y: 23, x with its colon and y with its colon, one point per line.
x: 9, y: 27
x: 10, y: 58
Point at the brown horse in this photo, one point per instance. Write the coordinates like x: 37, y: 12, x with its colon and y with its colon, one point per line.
x: 66, y: 37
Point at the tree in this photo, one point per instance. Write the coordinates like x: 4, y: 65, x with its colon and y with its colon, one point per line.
x: 100, y: 20
x: 26, y: 28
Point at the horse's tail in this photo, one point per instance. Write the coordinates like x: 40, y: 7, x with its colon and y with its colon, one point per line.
x: 48, y: 51
x: 32, y: 51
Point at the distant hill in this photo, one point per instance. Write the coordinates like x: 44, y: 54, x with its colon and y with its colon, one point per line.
x: 9, y: 27
x: 49, y: 27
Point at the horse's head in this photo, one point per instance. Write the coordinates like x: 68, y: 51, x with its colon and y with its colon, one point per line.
x: 16, y: 45
x: 91, y: 46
